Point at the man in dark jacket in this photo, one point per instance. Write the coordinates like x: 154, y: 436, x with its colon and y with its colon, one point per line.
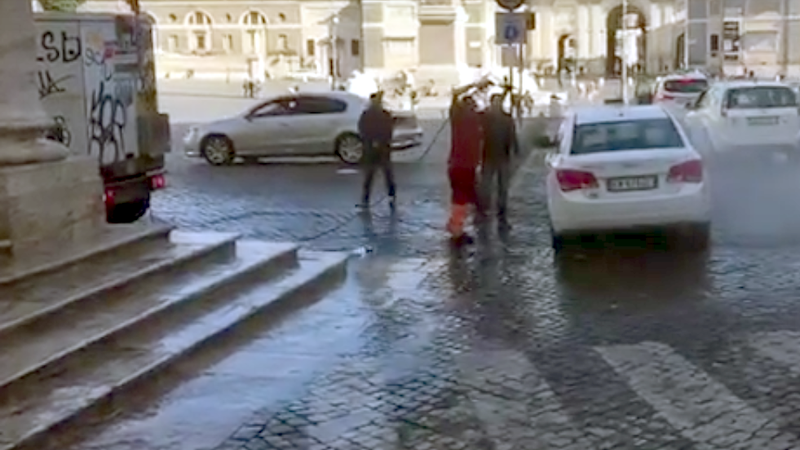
x: 375, y: 127
x: 500, y: 144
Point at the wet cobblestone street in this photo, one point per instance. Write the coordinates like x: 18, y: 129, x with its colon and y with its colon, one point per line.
x: 623, y: 345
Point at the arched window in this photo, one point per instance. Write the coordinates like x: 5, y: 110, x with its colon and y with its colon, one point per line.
x: 254, y: 34
x: 254, y: 19
x: 199, y: 18
x: 199, y: 24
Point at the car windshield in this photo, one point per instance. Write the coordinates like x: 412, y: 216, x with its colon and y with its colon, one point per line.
x: 761, y: 97
x: 686, y: 85
x: 625, y: 135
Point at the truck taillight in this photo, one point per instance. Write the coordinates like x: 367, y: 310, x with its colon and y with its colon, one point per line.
x: 573, y: 180
x: 158, y: 182
x: 688, y: 172
x: 108, y: 198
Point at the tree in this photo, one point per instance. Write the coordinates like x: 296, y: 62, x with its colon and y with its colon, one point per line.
x: 61, y: 5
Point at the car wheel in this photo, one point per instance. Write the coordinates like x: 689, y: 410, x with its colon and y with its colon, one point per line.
x: 349, y: 148
x: 218, y: 150
x: 697, y: 237
x: 127, y: 212
x: 556, y: 241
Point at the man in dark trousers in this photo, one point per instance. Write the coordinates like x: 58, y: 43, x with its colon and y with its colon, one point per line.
x: 375, y: 127
x: 499, y: 146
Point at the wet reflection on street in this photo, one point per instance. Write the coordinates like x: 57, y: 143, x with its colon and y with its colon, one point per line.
x: 506, y: 345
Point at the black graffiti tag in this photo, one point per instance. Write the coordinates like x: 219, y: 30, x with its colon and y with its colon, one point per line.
x: 47, y: 85
x: 66, y: 49
x: 59, y: 131
x: 107, y: 120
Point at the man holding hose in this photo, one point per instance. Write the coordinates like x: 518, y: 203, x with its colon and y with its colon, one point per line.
x: 465, y: 155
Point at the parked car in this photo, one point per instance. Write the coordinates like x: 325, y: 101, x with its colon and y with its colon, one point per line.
x: 312, y: 124
x: 680, y: 89
x: 750, y: 116
x: 620, y: 168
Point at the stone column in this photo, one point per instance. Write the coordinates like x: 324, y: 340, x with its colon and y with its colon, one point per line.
x: 47, y: 199
x: 460, y: 30
x: 584, y: 33
x: 22, y: 118
x: 547, y: 43
x: 598, y: 39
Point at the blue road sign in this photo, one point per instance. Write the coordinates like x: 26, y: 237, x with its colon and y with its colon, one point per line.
x: 511, y: 28
x: 511, y: 32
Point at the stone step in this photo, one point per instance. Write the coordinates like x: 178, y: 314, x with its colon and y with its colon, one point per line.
x: 110, y: 239
x: 27, y: 349
x: 36, y: 407
x: 36, y: 296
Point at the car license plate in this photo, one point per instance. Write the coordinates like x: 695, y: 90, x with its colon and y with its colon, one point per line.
x: 632, y: 184
x: 760, y: 121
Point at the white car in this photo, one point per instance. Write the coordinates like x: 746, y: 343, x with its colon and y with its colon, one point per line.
x: 623, y: 168
x: 752, y: 116
x: 680, y: 90
x: 313, y: 124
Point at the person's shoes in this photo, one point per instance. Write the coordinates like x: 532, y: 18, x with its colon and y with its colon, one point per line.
x: 363, y: 206
x: 463, y: 239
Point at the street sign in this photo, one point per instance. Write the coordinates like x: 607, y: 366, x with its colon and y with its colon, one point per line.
x: 510, y: 4
x: 511, y: 28
x: 509, y: 56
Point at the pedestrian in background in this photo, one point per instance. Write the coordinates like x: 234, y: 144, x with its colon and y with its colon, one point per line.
x: 462, y: 166
x: 376, y: 127
x: 499, y: 147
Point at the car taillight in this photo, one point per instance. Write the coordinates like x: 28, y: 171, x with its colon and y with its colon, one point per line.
x: 108, y: 198
x: 158, y: 182
x: 688, y: 172
x: 572, y: 180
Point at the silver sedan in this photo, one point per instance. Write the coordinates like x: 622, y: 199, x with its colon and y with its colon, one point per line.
x: 313, y: 124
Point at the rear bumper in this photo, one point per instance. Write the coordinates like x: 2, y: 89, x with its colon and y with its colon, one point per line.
x: 130, y: 190
x: 783, y: 146
x: 405, y: 141
x: 571, y: 217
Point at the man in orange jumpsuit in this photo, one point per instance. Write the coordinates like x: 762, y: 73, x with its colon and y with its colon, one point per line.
x: 465, y: 157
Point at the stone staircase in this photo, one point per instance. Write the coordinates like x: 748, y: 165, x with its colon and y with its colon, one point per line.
x: 80, y: 325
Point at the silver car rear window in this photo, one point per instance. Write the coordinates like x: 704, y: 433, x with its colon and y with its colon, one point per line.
x: 625, y: 135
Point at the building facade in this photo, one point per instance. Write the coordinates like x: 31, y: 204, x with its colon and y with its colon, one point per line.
x: 259, y: 39
x: 450, y: 40
x: 731, y: 36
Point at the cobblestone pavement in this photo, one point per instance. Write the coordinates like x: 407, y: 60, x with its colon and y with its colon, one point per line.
x: 639, y: 347
x: 618, y: 344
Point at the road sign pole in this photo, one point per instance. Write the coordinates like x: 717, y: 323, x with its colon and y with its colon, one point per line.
x: 511, y: 72
x: 521, y: 72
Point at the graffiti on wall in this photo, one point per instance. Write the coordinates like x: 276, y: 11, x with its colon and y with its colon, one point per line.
x: 108, y: 107
x: 48, y: 85
x: 59, y: 132
x: 57, y: 51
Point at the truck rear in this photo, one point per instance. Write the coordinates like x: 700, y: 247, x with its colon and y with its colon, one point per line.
x: 96, y: 79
